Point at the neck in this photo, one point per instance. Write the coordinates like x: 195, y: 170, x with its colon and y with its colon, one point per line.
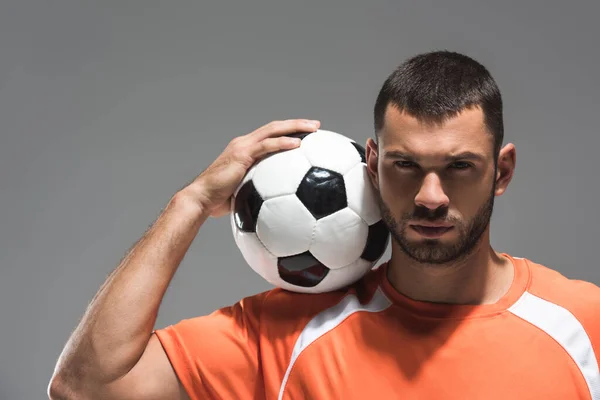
x: 481, y: 278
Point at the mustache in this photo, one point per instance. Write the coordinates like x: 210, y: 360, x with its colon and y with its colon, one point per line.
x: 425, y: 214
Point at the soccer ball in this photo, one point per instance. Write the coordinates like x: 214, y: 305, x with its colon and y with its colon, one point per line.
x: 307, y: 219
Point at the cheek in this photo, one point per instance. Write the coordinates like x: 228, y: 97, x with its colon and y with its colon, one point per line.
x: 389, y: 185
x: 468, y: 197
x: 397, y: 193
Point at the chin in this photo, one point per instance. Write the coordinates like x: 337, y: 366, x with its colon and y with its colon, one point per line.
x: 435, y: 252
x: 437, y: 260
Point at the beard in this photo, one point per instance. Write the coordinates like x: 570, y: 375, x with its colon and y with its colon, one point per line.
x: 434, y: 251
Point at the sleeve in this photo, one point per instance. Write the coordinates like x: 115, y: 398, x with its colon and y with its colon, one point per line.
x: 583, y: 301
x: 589, y: 315
x: 216, y: 356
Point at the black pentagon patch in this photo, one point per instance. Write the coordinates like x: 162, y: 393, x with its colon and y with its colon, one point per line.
x: 376, y: 241
x: 301, y: 270
x: 322, y: 192
x: 300, y: 135
x: 246, y: 207
x: 361, y: 152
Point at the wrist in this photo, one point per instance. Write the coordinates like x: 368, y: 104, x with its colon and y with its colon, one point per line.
x: 190, y: 200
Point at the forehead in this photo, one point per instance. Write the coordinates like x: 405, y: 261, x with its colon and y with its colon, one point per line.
x: 464, y: 132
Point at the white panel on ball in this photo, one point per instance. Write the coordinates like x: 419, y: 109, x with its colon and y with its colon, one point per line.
x: 347, y: 274
x: 330, y: 150
x: 361, y: 195
x: 280, y: 173
x: 339, y: 238
x: 285, y: 226
x: 257, y: 256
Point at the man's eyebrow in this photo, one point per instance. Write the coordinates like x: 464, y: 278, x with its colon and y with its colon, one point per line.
x: 399, y: 155
x: 465, y: 155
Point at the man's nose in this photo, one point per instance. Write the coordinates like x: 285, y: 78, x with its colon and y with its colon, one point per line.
x: 431, y: 193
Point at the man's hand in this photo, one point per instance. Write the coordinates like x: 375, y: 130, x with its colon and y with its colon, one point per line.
x: 213, y: 188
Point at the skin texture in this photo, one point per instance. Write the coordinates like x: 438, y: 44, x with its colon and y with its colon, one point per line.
x: 417, y: 181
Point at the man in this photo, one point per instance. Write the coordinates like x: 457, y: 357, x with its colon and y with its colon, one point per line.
x: 447, y: 317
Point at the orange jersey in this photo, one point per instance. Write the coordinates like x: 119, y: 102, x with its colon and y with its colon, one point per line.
x: 540, y: 341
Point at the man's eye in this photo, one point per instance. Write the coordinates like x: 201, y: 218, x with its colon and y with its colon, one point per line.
x: 460, y: 165
x: 405, y: 164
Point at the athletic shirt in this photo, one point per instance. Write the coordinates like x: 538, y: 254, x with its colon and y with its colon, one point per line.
x: 541, y: 340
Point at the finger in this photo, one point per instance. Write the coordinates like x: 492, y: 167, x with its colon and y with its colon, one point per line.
x: 271, y: 145
x: 280, y: 128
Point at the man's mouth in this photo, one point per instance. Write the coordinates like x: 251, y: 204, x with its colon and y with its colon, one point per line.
x: 434, y: 231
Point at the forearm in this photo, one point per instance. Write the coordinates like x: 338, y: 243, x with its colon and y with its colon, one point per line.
x: 117, y: 324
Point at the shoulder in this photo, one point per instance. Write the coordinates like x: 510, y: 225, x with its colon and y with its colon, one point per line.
x: 292, y: 310
x: 579, y: 298
x: 556, y: 287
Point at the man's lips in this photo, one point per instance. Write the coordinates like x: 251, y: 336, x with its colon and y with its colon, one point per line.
x: 433, y: 224
x: 431, y: 230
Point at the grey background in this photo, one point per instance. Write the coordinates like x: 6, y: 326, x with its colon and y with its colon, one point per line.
x: 109, y: 107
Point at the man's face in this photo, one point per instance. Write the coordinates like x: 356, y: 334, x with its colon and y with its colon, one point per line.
x: 436, y: 184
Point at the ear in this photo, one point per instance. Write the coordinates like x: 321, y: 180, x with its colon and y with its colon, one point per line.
x: 372, y: 158
x: 506, y: 168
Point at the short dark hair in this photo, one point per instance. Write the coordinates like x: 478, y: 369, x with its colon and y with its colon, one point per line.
x: 438, y: 85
